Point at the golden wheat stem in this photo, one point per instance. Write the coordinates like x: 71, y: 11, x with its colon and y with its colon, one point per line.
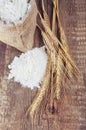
x: 54, y: 20
x: 39, y: 97
x: 46, y: 18
x: 48, y: 42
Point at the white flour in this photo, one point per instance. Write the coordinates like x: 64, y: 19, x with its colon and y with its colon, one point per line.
x: 13, y: 10
x: 29, y: 68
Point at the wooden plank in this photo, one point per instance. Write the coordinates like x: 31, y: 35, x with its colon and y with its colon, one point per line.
x: 14, y: 100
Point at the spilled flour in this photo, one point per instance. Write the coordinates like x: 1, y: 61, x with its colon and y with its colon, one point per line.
x: 29, y: 68
x: 13, y: 10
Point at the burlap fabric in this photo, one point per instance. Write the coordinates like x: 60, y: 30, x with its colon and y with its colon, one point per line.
x: 20, y: 36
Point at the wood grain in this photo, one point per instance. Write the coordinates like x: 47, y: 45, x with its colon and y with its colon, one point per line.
x: 70, y: 111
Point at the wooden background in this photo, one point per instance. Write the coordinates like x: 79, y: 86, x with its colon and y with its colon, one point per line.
x: 71, y: 109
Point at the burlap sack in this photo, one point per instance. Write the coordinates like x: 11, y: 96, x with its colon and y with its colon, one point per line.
x: 20, y: 36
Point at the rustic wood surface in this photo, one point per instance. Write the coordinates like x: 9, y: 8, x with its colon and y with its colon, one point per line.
x: 71, y: 109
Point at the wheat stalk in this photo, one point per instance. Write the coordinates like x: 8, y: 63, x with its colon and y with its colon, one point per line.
x: 41, y: 93
x: 45, y: 14
x: 63, y: 41
x: 56, y: 42
x: 59, y: 60
x: 59, y: 63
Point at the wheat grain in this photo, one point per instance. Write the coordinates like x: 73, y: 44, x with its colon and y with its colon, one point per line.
x: 39, y: 97
x: 60, y: 62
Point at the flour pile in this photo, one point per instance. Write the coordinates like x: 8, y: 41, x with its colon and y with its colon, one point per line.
x: 29, y: 68
x: 13, y: 10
